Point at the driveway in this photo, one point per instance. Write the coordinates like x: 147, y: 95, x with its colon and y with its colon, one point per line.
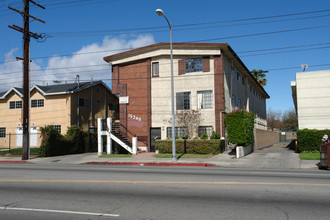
x: 277, y: 156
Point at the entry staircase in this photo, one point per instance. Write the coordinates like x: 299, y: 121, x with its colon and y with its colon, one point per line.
x: 119, y: 138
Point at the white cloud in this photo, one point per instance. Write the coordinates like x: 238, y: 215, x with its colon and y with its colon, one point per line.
x: 84, y: 62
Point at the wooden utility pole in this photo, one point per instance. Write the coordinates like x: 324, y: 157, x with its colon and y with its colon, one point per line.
x: 26, y: 74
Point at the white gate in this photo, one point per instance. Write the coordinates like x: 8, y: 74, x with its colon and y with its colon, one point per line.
x: 33, y: 136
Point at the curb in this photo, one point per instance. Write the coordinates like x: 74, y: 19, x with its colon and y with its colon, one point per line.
x: 13, y: 161
x: 153, y: 164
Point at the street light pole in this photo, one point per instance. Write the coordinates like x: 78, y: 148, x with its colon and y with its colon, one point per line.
x: 161, y: 13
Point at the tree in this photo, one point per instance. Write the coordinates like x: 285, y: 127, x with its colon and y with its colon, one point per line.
x: 274, y: 119
x: 189, y: 119
x: 260, y: 75
x: 289, y: 119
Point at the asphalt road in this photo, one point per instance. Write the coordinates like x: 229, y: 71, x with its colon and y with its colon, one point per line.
x: 106, y: 192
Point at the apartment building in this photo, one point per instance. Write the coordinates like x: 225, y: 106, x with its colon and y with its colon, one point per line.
x: 208, y: 77
x: 311, y: 97
x: 59, y: 105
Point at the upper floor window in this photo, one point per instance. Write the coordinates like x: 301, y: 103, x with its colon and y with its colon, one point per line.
x: 238, y: 76
x: 243, y: 81
x: 194, y: 65
x: 182, y: 100
x: 15, y: 104
x: 204, y: 99
x: 37, y: 103
x: 233, y: 71
x: 155, y: 69
x: 83, y: 102
x: 2, y: 132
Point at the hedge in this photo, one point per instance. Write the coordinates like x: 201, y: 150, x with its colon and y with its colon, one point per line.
x: 240, y: 127
x: 75, y: 141
x: 310, y: 139
x: 191, y: 146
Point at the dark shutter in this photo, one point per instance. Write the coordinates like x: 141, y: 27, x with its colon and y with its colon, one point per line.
x: 206, y: 64
x: 182, y: 67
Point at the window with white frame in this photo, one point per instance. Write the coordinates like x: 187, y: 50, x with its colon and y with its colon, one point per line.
x: 182, y: 100
x: 37, y: 103
x: 15, y: 104
x: 179, y: 132
x: 2, y: 132
x: 205, y: 99
x: 194, y: 65
x: 155, y: 69
x: 205, y: 129
x: 57, y: 128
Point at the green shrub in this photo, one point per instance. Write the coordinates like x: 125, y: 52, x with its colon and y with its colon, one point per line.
x: 204, y: 136
x: 215, y: 135
x: 240, y: 127
x: 310, y: 139
x: 75, y: 141
x: 192, y: 146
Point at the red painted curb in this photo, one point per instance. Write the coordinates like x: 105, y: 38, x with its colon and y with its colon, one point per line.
x: 12, y: 161
x: 153, y: 164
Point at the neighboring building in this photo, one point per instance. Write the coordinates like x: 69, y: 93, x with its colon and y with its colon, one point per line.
x: 55, y: 105
x: 311, y: 97
x: 208, y: 77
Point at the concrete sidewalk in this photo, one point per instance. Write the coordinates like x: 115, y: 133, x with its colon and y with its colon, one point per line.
x: 274, y: 157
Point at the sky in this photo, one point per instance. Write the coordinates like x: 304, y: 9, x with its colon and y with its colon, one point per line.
x: 275, y: 36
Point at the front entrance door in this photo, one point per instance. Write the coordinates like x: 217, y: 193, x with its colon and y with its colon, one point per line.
x: 155, y: 133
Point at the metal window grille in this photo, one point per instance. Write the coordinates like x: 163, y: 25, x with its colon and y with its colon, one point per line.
x: 183, y: 100
x: 179, y: 132
x: 205, y: 129
x: 205, y: 99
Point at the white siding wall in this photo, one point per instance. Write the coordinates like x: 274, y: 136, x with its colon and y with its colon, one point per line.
x: 313, y: 99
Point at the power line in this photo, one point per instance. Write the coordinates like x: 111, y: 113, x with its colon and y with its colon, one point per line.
x: 145, y: 78
x: 264, y: 33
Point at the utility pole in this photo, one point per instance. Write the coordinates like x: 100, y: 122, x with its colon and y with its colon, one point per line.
x: 26, y: 74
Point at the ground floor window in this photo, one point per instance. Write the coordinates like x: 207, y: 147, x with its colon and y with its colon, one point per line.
x: 179, y: 132
x: 205, y: 129
x: 57, y: 128
x: 2, y: 132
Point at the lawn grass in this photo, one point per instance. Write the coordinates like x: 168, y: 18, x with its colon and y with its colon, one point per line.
x: 115, y: 155
x: 204, y: 156
x: 309, y: 156
x: 19, y: 151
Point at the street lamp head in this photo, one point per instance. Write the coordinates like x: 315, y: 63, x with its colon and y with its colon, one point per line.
x: 160, y: 12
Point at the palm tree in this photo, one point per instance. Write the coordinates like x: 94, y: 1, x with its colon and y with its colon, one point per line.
x: 260, y: 75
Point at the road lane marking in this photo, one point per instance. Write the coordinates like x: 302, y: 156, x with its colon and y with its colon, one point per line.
x: 60, y: 211
x: 167, y: 182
